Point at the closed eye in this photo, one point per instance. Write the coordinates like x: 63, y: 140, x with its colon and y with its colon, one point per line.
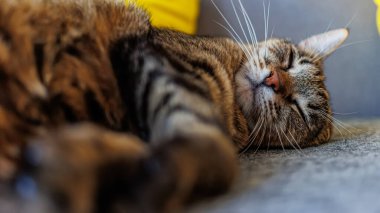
x: 304, y: 61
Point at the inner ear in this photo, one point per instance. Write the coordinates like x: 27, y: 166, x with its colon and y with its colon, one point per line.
x: 326, y: 43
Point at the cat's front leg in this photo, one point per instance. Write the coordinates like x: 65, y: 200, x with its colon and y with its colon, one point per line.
x: 172, y: 107
x: 86, y: 168
x: 193, y: 154
x: 191, y: 166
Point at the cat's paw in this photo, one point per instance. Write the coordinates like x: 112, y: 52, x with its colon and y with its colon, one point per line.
x: 84, y: 168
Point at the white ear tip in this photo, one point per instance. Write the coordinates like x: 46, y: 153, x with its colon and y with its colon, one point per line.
x: 325, y: 43
x: 341, y: 34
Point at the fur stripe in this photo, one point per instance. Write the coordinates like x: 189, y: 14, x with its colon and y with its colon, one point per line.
x: 152, y: 77
x: 203, y: 118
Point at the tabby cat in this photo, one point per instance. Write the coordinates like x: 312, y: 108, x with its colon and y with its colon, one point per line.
x: 107, y: 113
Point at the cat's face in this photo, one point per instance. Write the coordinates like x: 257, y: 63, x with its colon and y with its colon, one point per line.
x: 282, y: 93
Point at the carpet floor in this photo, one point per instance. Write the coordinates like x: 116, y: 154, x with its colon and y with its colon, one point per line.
x: 341, y: 176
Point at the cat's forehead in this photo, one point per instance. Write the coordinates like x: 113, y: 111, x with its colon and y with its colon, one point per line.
x: 276, y: 46
x: 275, y: 49
x: 277, y: 43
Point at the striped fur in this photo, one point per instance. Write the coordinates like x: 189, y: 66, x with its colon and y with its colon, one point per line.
x: 108, y: 113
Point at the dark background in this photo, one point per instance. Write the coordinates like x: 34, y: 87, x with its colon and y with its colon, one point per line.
x: 353, y: 72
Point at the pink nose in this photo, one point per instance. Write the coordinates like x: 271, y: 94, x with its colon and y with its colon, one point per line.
x: 273, y: 81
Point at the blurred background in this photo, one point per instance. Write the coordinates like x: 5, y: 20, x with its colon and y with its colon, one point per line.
x: 353, y: 72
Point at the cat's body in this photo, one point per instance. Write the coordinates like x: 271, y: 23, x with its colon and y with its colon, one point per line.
x: 194, y: 101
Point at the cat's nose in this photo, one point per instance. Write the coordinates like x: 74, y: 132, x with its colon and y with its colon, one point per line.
x: 273, y: 81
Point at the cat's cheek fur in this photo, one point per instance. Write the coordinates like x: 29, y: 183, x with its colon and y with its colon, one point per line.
x: 244, y: 92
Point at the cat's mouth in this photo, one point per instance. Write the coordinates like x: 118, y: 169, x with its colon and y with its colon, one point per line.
x: 257, y: 88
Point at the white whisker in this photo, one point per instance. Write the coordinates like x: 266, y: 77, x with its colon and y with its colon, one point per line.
x: 279, y: 138
x: 249, y: 53
x: 233, y: 32
x: 265, y: 28
x: 250, y: 138
x: 319, y: 56
x: 329, y: 26
x: 334, y: 125
x: 238, y: 19
x: 354, y: 43
x: 262, y: 137
x: 345, y: 113
x: 270, y: 135
x: 295, y: 141
x: 351, y: 20
x: 228, y: 23
x: 343, y: 125
x: 243, y: 47
x: 268, y: 12
x: 289, y: 140
x: 271, y: 34
x: 251, y: 29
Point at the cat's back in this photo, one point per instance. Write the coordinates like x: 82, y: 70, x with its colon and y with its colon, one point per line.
x: 55, y: 54
x: 55, y: 66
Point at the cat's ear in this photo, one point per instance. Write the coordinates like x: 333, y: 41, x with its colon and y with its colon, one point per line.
x: 326, y: 43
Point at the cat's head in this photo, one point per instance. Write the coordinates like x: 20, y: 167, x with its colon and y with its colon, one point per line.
x: 281, y: 90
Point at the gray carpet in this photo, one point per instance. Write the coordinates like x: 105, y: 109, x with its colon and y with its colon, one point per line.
x: 341, y: 176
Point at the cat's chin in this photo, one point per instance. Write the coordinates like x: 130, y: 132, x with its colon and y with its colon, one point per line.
x: 250, y: 98
x: 264, y: 93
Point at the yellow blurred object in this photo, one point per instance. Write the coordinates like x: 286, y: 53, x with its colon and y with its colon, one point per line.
x: 377, y: 2
x: 180, y: 15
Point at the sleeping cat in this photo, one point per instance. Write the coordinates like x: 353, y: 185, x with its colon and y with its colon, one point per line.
x: 107, y: 113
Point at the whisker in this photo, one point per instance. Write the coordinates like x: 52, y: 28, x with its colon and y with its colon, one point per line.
x: 250, y: 139
x: 238, y: 19
x: 254, y: 129
x: 332, y: 123
x: 270, y: 135
x: 271, y: 34
x: 257, y: 133
x: 336, y: 124
x: 344, y: 113
x: 333, y: 118
x: 265, y: 28
x: 343, y: 125
x: 243, y: 47
x: 289, y: 140
x: 295, y: 141
x: 250, y: 27
x: 245, y: 35
x: 354, y: 43
x: 351, y: 20
x: 319, y: 56
x: 279, y: 138
x: 262, y: 137
x: 249, y: 23
x: 268, y: 13
x: 227, y: 22
x: 252, y: 132
x: 329, y: 26
x: 233, y: 32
